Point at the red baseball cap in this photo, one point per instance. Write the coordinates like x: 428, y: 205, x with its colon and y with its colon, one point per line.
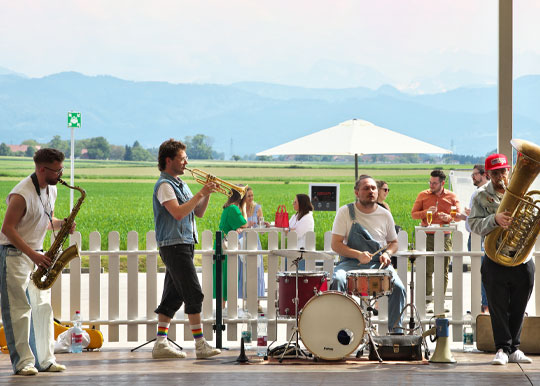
x: 496, y: 161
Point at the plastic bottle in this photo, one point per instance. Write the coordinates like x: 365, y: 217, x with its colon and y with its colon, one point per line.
x: 76, y: 334
x: 468, y: 343
x: 262, y: 337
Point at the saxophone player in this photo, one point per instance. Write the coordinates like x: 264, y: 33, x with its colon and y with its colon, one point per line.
x: 25, y: 308
x: 507, y: 288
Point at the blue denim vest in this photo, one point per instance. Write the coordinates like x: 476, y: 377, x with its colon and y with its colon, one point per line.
x: 170, y: 231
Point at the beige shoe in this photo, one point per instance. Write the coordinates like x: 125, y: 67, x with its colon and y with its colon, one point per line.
x: 56, y: 368
x: 27, y: 370
x: 204, y: 350
x: 163, y: 350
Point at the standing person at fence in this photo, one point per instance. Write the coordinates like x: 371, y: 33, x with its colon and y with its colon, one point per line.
x: 253, y: 213
x: 231, y: 220
x: 302, y: 222
x: 508, y: 289
x: 27, y: 314
x: 359, y: 230
x: 479, y: 179
x: 383, y: 190
x: 439, y: 201
x: 175, y: 208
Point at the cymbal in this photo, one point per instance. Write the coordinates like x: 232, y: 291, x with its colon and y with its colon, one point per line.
x: 296, y: 253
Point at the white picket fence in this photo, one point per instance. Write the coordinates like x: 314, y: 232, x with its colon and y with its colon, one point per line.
x: 112, y: 300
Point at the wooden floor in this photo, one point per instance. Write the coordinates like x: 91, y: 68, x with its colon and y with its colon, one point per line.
x: 120, y: 366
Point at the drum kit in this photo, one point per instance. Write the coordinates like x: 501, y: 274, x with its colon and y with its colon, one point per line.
x: 330, y: 324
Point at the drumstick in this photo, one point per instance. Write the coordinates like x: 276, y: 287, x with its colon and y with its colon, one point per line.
x: 374, y: 253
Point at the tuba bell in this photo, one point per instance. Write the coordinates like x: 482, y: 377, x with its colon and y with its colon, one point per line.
x: 511, y: 246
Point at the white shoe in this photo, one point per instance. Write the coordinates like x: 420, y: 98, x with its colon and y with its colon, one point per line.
x: 163, y: 350
x: 204, y: 350
x: 518, y: 357
x: 501, y: 358
x: 27, y: 370
x: 430, y: 307
x: 56, y: 368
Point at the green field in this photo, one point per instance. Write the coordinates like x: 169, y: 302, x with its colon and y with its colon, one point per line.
x: 119, y: 194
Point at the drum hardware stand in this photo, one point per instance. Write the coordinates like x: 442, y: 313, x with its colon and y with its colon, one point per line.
x: 298, y: 352
x: 369, y: 330
x: 413, y: 311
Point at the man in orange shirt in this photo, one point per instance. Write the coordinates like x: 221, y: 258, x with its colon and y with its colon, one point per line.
x: 439, y: 201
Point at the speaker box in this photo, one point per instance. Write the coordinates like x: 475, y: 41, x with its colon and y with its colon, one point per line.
x: 530, y: 334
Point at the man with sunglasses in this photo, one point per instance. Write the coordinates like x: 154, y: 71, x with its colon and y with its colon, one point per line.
x: 26, y: 311
x: 508, y: 289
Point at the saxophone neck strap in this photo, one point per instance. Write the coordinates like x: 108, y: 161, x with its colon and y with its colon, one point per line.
x: 38, y: 191
x: 36, y: 184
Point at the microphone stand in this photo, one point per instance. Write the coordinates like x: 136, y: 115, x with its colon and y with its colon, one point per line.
x: 219, y: 327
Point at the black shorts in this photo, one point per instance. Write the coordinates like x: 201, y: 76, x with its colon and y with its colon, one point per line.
x: 181, y: 281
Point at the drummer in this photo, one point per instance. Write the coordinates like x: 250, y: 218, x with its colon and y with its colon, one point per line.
x: 360, y: 229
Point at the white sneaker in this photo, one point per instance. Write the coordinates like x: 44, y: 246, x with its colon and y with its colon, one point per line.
x: 204, y: 350
x: 56, y: 368
x: 518, y: 357
x: 501, y: 358
x: 27, y: 370
x: 430, y: 307
x: 163, y: 350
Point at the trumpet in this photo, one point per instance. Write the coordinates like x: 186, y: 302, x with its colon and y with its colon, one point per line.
x: 224, y: 187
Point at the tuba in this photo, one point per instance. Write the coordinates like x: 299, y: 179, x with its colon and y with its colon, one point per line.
x: 44, y: 278
x: 511, y: 246
x: 224, y: 187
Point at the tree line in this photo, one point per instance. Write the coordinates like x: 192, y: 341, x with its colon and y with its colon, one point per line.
x: 198, y: 147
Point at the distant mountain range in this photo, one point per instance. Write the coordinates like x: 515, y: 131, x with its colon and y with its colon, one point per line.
x: 244, y: 118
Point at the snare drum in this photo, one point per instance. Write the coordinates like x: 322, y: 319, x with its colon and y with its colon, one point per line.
x: 309, y: 283
x: 331, y: 325
x: 369, y: 282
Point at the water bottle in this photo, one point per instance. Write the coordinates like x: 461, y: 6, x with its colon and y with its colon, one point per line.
x: 262, y: 337
x: 468, y: 344
x: 76, y: 334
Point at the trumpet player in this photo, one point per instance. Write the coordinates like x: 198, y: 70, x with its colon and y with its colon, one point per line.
x: 175, y: 208
x: 26, y: 311
x: 508, y: 288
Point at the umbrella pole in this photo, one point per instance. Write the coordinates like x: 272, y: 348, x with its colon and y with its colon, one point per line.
x: 355, y: 168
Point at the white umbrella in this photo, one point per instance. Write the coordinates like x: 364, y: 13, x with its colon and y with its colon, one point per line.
x: 354, y: 137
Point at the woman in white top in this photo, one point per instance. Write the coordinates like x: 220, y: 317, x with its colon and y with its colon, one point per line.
x: 302, y: 221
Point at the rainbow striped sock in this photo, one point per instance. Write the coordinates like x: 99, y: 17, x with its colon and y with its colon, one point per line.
x: 196, y: 330
x: 162, y: 331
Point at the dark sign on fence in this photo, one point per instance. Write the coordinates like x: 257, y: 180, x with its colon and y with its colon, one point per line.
x: 324, y: 196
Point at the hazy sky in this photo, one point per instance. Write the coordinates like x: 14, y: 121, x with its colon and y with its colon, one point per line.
x: 329, y: 43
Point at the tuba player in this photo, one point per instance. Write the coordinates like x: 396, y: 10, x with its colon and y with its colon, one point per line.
x: 507, y: 288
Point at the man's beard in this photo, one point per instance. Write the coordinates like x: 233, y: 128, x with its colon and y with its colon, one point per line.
x: 368, y: 203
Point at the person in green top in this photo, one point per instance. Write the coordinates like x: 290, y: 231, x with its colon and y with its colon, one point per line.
x: 231, y: 220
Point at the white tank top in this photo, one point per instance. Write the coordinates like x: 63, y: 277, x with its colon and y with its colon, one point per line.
x: 33, y: 225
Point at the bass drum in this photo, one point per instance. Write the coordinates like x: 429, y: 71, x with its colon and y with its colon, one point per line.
x: 331, y: 325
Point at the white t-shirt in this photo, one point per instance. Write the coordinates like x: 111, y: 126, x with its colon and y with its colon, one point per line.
x: 33, y: 225
x: 301, y: 227
x: 165, y: 193
x: 379, y: 224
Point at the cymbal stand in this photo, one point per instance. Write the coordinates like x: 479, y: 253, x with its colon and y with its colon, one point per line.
x: 369, y: 329
x: 413, y: 311
x: 298, y: 352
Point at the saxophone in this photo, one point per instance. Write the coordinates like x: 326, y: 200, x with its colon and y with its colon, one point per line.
x: 44, y: 278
